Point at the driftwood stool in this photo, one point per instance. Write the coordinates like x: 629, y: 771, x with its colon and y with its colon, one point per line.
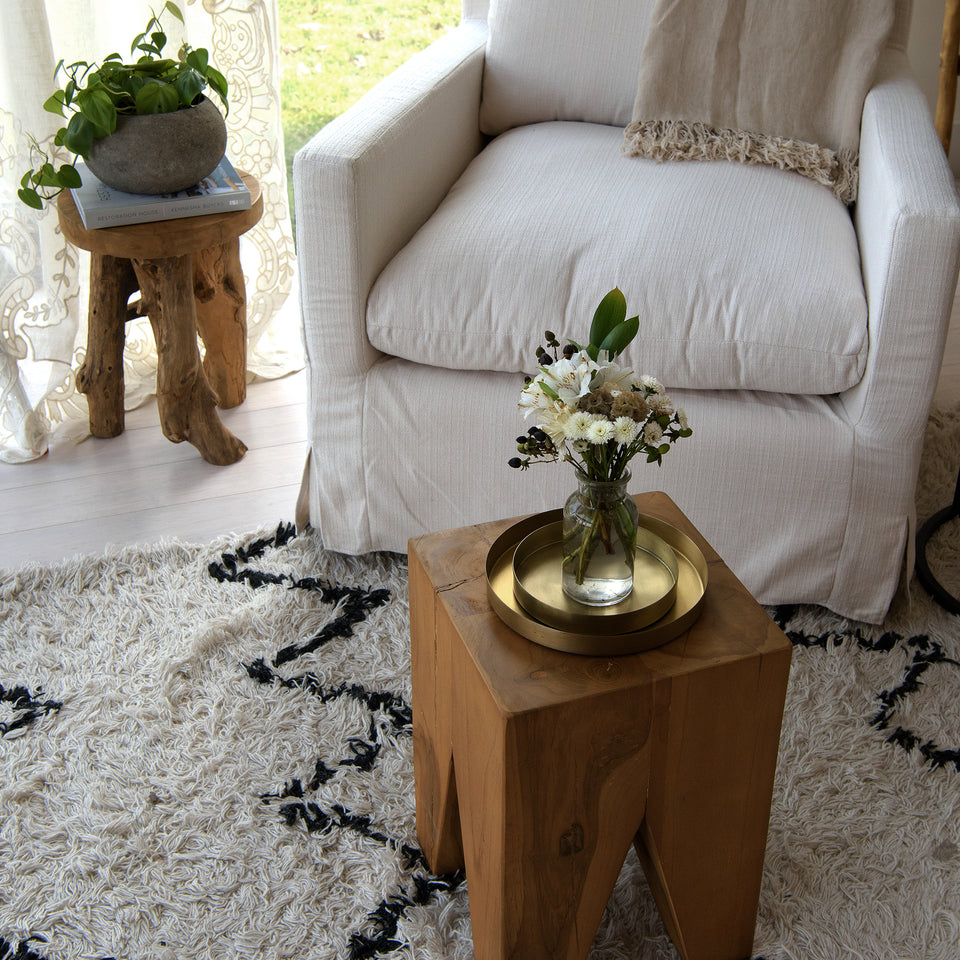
x: 189, y: 277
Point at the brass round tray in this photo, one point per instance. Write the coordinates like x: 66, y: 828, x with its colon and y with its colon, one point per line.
x: 691, y: 587
x: 538, y: 588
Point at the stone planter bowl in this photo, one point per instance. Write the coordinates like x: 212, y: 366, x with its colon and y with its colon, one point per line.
x: 161, y: 152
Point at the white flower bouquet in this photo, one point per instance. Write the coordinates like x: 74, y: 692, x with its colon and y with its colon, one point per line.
x: 590, y: 411
x: 598, y: 416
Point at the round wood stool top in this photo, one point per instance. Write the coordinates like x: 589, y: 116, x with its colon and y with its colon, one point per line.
x: 162, y: 238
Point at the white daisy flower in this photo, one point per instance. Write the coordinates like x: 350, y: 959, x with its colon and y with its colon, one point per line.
x: 652, y: 383
x: 682, y: 419
x: 578, y: 425
x: 625, y: 430
x: 601, y: 430
x: 652, y: 433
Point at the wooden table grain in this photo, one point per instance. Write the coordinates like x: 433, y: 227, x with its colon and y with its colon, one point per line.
x: 536, y: 769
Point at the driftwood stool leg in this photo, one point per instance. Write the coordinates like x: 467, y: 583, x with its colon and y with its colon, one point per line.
x: 186, y: 402
x: 550, y: 800
x: 222, y: 320
x: 100, y: 377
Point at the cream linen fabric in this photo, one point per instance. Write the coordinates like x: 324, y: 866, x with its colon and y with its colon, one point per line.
x: 744, y: 278
x: 809, y: 498
x: 561, y: 60
x: 796, y: 482
x: 747, y: 79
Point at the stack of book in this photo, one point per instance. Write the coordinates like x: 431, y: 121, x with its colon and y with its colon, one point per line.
x: 102, y: 206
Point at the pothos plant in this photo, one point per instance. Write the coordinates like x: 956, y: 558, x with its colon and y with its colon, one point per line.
x: 95, y: 95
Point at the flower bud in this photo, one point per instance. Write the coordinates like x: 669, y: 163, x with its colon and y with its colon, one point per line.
x: 515, y: 462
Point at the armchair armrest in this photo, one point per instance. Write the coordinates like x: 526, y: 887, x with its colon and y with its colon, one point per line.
x: 908, y: 225
x: 362, y: 187
x: 369, y: 179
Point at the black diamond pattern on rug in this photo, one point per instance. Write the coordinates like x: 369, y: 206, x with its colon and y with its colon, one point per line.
x: 24, y: 708
x: 923, y: 654
x: 390, y: 716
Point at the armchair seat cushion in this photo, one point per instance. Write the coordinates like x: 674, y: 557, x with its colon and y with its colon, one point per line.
x: 744, y: 277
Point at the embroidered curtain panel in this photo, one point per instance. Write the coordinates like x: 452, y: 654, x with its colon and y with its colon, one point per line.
x: 43, y: 279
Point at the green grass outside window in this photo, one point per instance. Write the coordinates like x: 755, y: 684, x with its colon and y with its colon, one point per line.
x: 333, y: 52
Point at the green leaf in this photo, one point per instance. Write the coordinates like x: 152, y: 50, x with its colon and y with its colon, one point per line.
x: 549, y: 391
x: 78, y: 136
x: 68, y: 176
x: 610, y: 312
x: 198, y: 59
x: 31, y: 198
x: 189, y: 85
x: 148, y: 98
x: 593, y: 352
x: 169, y: 98
x: 219, y: 84
x: 54, y: 103
x: 617, y: 339
x: 48, y: 176
x: 173, y: 10
x: 159, y: 40
x: 97, y: 106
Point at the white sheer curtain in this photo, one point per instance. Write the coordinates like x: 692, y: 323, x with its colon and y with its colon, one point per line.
x: 43, y: 279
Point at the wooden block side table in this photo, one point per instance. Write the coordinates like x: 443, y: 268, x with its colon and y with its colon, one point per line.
x: 536, y: 769
x: 189, y: 277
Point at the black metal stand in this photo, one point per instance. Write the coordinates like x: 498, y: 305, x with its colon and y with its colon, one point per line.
x: 924, y: 574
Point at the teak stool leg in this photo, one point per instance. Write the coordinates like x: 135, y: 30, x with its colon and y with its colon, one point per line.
x: 186, y: 402
x: 714, y: 754
x: 100, y: 377
x: 221, y: 304
x: 438, y: 817
x: 550, y: 801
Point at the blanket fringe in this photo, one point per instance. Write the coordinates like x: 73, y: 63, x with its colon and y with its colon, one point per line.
x: 679, y: 140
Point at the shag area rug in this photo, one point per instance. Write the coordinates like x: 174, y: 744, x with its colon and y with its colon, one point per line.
x: 206, y: 752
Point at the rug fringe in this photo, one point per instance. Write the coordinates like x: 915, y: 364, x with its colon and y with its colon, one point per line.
x: 680, y: 140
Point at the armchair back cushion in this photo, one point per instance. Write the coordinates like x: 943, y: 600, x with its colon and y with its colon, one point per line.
x: 561, y: 60
x: 574, y: 60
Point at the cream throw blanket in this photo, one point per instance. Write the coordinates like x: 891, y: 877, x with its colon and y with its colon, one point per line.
x: 778, y: 82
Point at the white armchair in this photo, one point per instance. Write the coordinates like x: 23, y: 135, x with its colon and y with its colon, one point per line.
x: 478, y: 196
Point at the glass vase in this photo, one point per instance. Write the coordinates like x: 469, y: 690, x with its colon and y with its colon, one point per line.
x: 599, y: 541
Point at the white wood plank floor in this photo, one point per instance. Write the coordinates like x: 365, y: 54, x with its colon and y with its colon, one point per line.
x: 139, y: 487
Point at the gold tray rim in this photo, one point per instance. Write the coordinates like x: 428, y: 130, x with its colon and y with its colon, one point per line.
x: 615, y: 619
x: 674, y: 623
